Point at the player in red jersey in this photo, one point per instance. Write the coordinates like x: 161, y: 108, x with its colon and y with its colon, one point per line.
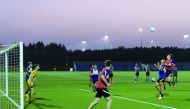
x: 169, y: 65
x: 102, y: 85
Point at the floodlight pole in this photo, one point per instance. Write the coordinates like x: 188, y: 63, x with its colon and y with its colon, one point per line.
x: 141, y: 33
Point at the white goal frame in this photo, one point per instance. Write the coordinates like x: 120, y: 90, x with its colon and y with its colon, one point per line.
x: 6, y: 93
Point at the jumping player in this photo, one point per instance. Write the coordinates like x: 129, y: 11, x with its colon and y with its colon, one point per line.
x: 160, y: 82
x: 169, y: 65
x: 136, y: 72
x: 31, y: 81
x: 93, y: 77
x: 28, y: 71
x: 147, y: 67
x: 102, y: 85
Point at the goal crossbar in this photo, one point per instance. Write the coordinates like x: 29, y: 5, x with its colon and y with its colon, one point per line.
x: 9, y: 48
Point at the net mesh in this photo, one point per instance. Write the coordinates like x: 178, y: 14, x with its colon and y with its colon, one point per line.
x: 10, y: 76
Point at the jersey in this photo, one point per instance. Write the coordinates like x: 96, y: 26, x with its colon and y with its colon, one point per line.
x: 162, y: 72
x: 28, y: 72
x: 137, y: 68
x: 106, y: 73
x: 169, y: 61
x: 34, y: 73
x: 94, y: 75
x: 147, y: 68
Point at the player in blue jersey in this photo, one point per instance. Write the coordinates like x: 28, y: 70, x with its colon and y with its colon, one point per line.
x: 93, y: 77
x: 28, y: 72
x: 175, y: 74
x: 162, y: 76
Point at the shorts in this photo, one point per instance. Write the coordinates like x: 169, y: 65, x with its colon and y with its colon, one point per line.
x: 168, y: 72
x: 161, y: 80
x: 147, y: 73
x: 111, y: 75
x: 174, y: 73
x: 102, y: 92
x: 137, y: 74
x: 94, y: 81
x: 27, y: 77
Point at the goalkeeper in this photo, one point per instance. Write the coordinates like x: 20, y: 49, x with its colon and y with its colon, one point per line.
x: 31, y: 81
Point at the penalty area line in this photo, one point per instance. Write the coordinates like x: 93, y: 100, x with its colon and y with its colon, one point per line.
x: 129, y: 99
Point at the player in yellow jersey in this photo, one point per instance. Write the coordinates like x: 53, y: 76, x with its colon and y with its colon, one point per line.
x: 31, y: 80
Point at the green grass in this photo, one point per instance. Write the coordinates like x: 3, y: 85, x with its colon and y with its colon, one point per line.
x: 61, y: 90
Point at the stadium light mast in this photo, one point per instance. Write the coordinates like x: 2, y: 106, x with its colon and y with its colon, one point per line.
x: 151, y: 43
x: 83, y: 45
x: 106, y: 41
x: 152, y: 30
x: 186, y: 36
x: 141, y: 32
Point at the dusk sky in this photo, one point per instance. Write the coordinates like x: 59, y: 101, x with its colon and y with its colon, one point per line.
x: 71, y: 21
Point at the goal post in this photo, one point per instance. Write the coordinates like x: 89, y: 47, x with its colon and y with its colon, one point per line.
x: 11, y: 76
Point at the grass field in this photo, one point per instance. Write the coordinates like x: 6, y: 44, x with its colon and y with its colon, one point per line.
x: 66, y: 90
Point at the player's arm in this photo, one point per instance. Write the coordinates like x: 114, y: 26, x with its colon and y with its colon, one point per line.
x: 104, y: 79
x: 157, y: 67
x: 168, y: 65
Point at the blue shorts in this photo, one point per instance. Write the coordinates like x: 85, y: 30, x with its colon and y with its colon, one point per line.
x: 27, y: 77
x: 94, y: 81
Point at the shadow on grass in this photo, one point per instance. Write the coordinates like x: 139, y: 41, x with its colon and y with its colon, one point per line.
x: 41, y: 105
x: 186, y: 99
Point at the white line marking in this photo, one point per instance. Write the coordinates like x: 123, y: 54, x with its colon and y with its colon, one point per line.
x: 124, y: 98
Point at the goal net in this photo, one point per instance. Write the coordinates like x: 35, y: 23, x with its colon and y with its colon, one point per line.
x: 11, y: 76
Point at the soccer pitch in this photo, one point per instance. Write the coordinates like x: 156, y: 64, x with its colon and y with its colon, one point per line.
x: 70, y: 90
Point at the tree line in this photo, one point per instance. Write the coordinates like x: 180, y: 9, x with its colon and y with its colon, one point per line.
x: 57, y: 56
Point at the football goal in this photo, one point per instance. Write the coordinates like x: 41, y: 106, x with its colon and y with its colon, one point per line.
x: 11, y: 76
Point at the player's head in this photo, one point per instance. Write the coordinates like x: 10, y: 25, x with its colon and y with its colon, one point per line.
x: 30, y: 64
x: 162, y: 61
x: 169, y: 56
x: 136, y: 64
x: 36, y: 66
x: 108, y: 63
x: 94, y: 66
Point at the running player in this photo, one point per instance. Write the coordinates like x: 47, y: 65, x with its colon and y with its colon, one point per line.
x: 147, y: 67
x: 93, y: 77
x: 111, y: 74
x: 31, y: 80
x: 175, y: 74
x: 102, y: 85
x: 160, y: 82
x: 169, y: 65
x: 28, y: 71
x: 136, y: 72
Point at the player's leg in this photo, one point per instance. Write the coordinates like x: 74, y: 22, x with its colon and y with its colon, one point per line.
x: 157, y: 86
x: 148, y: 76
x: 94, y: 103
x: 161, y: 89
x: 27, y: 87
x: 29, y: 98
x: 137, y: 77
x: 109, y: 102
x: 94, y: 85
x: 168, y: 78
x: 97, y: 99
x: 176, y: 77
x: 107, y: 96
